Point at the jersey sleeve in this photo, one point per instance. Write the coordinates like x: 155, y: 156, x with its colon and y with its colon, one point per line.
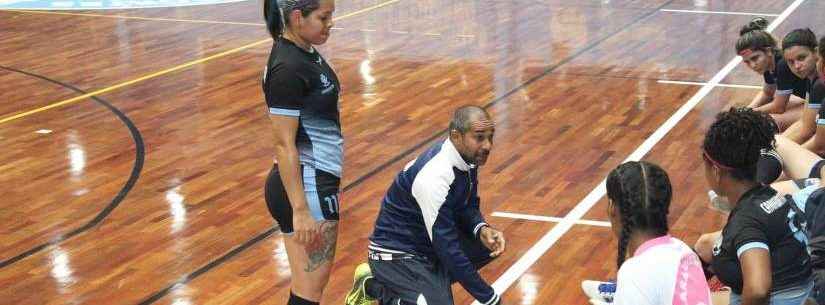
x: 785, y: 79
x: 284, y: 90
x: 749, y: 233
x: 431, y: 191
x: 769, y: 78
x: 470, y: 218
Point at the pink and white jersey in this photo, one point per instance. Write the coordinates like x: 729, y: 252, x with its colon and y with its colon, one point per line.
x: 663, y: 271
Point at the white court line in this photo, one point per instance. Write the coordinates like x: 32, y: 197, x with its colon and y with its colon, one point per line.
x: 707, y: 84
x: 551, y: 237
x: 718, y: 12
x: 550, y: 219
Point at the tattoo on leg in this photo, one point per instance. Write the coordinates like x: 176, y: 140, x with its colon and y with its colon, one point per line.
x: 323, y: 249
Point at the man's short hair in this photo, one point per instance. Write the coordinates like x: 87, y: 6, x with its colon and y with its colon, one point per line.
x: 464, y: 116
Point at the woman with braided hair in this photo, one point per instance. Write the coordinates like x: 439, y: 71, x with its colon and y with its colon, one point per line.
x: 662, y: 270
x: 301, y: 92
x: 757, y: 254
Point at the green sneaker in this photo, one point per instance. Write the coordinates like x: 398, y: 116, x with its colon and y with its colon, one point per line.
x: 358, y: 294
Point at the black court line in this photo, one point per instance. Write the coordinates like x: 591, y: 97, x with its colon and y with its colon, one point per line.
x: 133, y: 177
x: 235, y: 251
x: 492, y: 103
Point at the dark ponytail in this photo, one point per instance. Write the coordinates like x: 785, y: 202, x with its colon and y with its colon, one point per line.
x: 754, y: 36
x: 277, y: 15
x: 272, y: 16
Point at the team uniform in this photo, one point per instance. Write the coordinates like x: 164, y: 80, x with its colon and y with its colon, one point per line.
x: 426, y: 234
x: 662, y: 271
x: 785, y: 81
x: 761, y: 220
x: 816, y: 96
x: 300, y: 84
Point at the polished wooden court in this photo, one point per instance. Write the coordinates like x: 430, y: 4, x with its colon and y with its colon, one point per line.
x: 134, y: 143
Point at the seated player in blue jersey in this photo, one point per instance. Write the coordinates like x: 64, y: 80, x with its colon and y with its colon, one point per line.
x: 430, y: 232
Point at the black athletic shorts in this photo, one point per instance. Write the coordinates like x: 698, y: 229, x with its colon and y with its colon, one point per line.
x: 816, y: 172
x: 320, y: 188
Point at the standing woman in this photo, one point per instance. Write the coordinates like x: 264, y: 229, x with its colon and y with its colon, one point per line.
x: 783, y: 92
x: 301, y: 91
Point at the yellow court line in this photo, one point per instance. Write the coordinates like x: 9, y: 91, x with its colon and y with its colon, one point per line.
x: 170, y: 70
x: 135, y: 17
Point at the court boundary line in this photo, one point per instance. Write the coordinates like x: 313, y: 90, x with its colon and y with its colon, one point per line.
x: 595, y: 223
x: 678, y: 82
x: 263, y: 235
x: 63, y: 13
x: 506, y: 95
x: 137, y: 168
x: 170, y: 70
x: 101, y: 8
x: 197, y: 21
x: 718, y: 12
x: 544, y: 244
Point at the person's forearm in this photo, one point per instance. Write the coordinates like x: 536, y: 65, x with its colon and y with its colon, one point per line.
x: 289, y: 167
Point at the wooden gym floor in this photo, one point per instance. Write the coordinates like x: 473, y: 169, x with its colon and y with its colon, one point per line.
x: 135, y: 143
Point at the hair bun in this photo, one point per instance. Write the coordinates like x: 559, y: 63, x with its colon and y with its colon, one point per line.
x: 756, y: 24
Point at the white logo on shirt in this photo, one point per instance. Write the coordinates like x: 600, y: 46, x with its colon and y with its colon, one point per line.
x: 326, y: 84
x: 772, y: 204
x: 324, y: 81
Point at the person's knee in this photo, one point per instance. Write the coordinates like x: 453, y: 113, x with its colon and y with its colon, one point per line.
x: 704, y: 247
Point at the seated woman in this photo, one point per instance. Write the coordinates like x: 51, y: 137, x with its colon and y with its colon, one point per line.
x: 799, y: 48
x: 782, y: 92
x: 662, y: 269
x: 757, y: 253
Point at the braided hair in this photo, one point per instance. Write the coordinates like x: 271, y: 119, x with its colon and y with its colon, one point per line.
x: 640, y: 192
x: 737, y: 137
x: 276, y: 13
x: 754, y: 36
